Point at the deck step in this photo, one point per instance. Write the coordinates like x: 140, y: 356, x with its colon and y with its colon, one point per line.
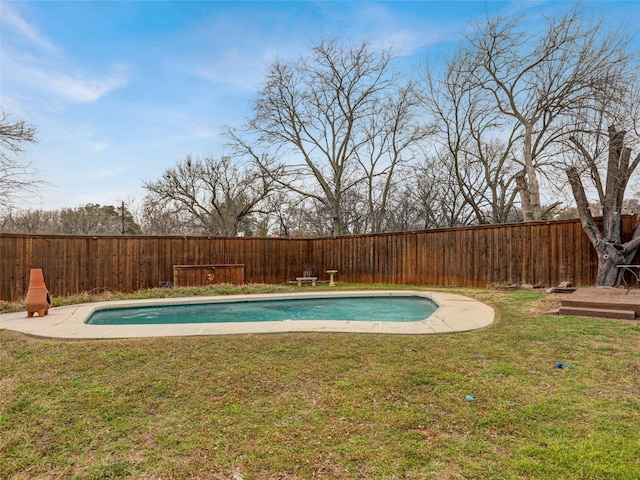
x: 598, y: 312
x: 600, y: 303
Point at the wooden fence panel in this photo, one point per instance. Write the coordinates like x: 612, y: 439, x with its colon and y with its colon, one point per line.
x: 541, y: 252
x: 198, y: 275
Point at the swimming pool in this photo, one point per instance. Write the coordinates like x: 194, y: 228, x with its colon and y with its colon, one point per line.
x: 366, y: 309
x: 455, y: 313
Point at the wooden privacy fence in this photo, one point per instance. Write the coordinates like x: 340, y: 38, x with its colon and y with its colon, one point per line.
x: 197, y: 275
x: 540, y: 252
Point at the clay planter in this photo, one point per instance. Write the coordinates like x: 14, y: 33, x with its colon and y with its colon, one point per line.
x: 38, y: 298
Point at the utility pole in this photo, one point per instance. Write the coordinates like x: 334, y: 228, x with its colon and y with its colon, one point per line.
x: 122, y: 216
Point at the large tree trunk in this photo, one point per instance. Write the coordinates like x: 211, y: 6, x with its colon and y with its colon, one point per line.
x: 527, y: 181
x: 608, y: 240
x: 609, y: 257
x: 525, y: 196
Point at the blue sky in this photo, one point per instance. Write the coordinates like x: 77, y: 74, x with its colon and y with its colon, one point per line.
x: 119, y: 91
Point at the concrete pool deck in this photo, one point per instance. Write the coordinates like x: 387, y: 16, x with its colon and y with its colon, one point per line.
x: 455, y: 313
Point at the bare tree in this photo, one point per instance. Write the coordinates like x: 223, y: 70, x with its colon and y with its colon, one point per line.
x: 333, y: 120
x: 471, y: 142
x: 157, y: 219
x: 538, y: 81
x: 31, y: 221
x: 391, y: 135
x: 607, y: 241
x: 436, y: 195
x: 209, y: 196
x: 601, y: 165
x: 16, y: 176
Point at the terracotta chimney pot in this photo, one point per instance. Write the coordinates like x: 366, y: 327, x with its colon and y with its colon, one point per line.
x: 38, y: 298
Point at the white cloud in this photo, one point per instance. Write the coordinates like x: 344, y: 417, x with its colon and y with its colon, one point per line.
x: 10, y: 19
x: 76, y: 87
x: 80, y: 88
x: 41, y: 66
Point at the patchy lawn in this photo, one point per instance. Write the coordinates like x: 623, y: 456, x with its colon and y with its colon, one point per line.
x: 294, y: 406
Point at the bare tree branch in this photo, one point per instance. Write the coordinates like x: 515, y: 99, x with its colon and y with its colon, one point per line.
x: 16, y: 176
x: 539, y: 83
x: 209, y: 196
x: 336, y: 119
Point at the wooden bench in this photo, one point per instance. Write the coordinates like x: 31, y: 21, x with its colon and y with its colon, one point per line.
x: 311, y: 280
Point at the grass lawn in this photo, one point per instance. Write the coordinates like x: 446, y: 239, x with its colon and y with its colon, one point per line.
x: 331, y: 406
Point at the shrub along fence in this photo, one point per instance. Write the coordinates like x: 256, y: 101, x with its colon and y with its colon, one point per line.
x: 538, y: 253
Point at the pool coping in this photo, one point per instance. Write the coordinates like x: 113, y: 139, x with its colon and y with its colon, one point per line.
x: 455, y: 313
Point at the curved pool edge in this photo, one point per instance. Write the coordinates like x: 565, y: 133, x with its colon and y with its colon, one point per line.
x: 455, y: 313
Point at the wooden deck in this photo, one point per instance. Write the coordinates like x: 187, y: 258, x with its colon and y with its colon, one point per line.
x: 603, y: 303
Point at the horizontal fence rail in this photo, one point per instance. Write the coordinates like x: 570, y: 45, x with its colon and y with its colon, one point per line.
x: 544, y: 253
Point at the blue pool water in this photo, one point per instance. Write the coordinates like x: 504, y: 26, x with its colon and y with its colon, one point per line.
x: 373, y: 309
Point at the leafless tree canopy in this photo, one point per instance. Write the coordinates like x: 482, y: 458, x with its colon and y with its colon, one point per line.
x: 472, y: 144
x: 16, y: 175
x: 336, y: 124
x: 30, y: 221
x: 206, y: 196
x: 90, y: 219
x: 338, y: 142
x: 530, y: 86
